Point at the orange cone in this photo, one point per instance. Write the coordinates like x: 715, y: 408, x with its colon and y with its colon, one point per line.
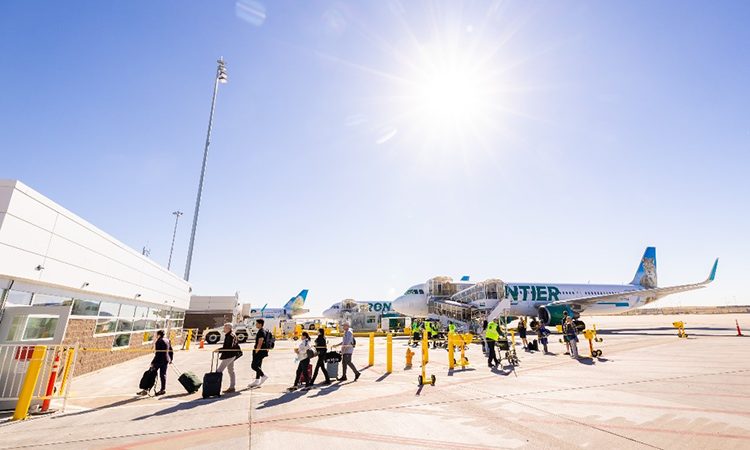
x: 739, y: 332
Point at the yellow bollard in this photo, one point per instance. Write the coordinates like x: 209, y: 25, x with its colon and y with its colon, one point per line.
x: 451, y: 351
x: 425, y: 349
x: 372, y: 349
x: 389, y: 354
x: 512, y: 337
x: 69, y: 356
x: 189, y: 338
x: 29, y: 382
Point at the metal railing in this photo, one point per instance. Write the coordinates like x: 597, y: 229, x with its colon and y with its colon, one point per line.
x: 31, y: 376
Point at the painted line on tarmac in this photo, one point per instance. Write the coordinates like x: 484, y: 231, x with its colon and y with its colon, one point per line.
x: 657, y: 407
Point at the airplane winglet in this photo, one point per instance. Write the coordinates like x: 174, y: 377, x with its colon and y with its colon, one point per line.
x: 712, y: 276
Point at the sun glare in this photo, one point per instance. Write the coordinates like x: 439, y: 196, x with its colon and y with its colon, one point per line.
x: 447, y: 97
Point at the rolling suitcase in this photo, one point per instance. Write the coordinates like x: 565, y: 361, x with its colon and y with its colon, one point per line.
x: 188, y: 380
x: 332, y: 360
x: 148, y: 380
x: 212, y: 381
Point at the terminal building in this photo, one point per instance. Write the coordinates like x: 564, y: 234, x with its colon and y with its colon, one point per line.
x: 64, y: 281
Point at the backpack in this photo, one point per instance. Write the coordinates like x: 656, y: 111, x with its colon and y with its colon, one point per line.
x: 269, y: 340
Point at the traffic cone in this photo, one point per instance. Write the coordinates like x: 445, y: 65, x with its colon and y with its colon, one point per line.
x: 201, y: 343
x: 739, y: 332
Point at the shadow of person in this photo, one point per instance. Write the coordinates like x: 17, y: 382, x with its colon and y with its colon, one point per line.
x: 327, y: 390
x: 284, y: 398
x: 586, y: 360
x: 100, y: 408
x: 184, y: 406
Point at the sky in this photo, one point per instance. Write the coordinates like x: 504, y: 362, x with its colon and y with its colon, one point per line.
x: 363, y: 147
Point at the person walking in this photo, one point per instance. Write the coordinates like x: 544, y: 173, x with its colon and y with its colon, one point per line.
x: 542, y: 332
x: 572, y: 334
x: 565, y: 335
x: 347, y: 348
x: 484, y: 337
x: 522, y: 333
x: 228, y: 353
x: 304, y: 352
x: 163, y: 356
x: 492, y: 336
x: 321, y: 348
x: 260, y: 351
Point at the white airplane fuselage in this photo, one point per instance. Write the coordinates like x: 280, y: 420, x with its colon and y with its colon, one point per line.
x: 524, y: 299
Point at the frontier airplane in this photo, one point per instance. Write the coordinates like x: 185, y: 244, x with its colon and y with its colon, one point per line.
x: 548, y: 301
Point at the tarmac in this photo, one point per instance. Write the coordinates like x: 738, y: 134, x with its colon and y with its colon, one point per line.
x: 649, y: 389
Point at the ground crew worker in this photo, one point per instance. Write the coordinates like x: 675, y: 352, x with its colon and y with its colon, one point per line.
x: 492, y: 336
x: 451, y: 328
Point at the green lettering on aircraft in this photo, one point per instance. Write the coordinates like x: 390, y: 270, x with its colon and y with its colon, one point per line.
x: 538, y: 293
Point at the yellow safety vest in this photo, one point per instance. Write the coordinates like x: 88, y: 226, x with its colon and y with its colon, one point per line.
x: 492, y: 331
x: 452, y: 328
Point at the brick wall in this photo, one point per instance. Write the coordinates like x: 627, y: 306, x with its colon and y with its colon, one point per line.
x: 96, y: 352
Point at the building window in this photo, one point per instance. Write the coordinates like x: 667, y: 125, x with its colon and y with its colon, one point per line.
x: 121, y: 340
x: 104, y: 326
x: 51, y: 300
x: 32, y: 328
x: 85, y: 308
x: 141, y: 322
x: 108, y: 309
x: 19, y: 298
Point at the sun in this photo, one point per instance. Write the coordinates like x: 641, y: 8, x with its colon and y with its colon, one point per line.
x: 447, y: 98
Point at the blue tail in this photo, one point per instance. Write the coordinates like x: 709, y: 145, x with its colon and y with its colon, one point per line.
x: 296, y: 302
x: 646, y: 274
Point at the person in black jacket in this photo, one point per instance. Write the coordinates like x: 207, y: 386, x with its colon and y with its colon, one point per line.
x: 321, y: 347
x: 162, y: 358
x: 228, y: 354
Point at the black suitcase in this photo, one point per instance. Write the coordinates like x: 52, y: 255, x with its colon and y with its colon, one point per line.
x: 188, y: 380
x: 212, y: 381
x: 148, y: 380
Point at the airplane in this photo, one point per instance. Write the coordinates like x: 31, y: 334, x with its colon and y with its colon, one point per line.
x: 292, y: 308
x: 335, y: 311
x: 548, y: 301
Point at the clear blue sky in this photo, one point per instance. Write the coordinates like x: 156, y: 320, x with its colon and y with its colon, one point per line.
x: 591, y: 130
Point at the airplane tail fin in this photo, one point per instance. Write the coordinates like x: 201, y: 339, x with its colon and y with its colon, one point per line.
x: 296, y: 302
x: 646, y: 274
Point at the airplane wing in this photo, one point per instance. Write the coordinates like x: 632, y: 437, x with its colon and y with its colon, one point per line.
x: 652, y: 294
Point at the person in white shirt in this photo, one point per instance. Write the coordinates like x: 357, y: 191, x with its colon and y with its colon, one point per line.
x: 303, y: 351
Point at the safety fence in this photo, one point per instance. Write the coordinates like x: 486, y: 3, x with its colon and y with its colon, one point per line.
x: 31, y: 376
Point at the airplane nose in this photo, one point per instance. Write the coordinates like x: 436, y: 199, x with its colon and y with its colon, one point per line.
x: 401, y: 305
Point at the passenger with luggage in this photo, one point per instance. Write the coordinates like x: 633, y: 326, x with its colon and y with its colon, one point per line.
x: 347, y: 348
x: 304, y: 353
x: 163, y: 356
x: 522, y: 333
x: 263, y: 342
x: 228, y: 353
x: 492, y: 336
x: 572, y: 333
x: 542, y: 332
x: 321, y: 348
x: 565, y: 335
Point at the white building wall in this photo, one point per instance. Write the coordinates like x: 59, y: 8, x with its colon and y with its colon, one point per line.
x: 35, y: 231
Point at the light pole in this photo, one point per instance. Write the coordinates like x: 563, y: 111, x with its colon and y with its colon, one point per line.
x: 177, y: 215
x: 221, y: 77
